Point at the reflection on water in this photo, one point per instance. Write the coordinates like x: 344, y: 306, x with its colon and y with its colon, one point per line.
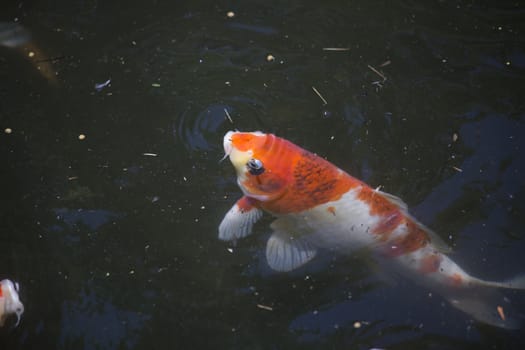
x: 113, y: 237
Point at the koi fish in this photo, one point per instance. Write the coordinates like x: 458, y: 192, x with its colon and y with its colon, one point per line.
x: 319, y: 206
x: 9, y: 302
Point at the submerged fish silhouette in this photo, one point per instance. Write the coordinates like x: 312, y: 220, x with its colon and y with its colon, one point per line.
x: 15, y: 36
x: 319, y: 206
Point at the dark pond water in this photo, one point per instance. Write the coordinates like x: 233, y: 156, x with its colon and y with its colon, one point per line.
x: 113, y: 238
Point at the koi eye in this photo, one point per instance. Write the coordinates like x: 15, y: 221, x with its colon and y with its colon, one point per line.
x: 255, y: 166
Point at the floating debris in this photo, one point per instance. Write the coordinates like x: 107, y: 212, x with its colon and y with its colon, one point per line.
x: 336, y: 49
x: 377, y: 72
x: 81, y: 137
x: 455, y: 137
x: 459, y: 170
x: 230, y: 14
x: 155, y: 85
x: 264, y: 307
x: 320, y: 96
x: 100, y: 86
x: 8, y: 130
x: 149, y: 154
x: 357, y: 324
x: 501, y: 313
x: 228, y: 115
x: 386, y: 63
x: 270, y: 58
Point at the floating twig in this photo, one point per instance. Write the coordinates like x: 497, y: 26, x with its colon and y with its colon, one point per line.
x: 457, y: 169
x: 320, y: 96
x: 53, y: 59
x: 264, y: 307
x: 150, y: 154
x: 336, y: 49
x: 228, y: 115
x: 377, y: 72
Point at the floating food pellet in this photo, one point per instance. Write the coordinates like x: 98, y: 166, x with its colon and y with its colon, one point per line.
x: 230, y: 14
x: 8, y: 130
x: 270, y: 58
x: 455, y: 137
x: 357, y: 324
x: 81, y: 137
x: 31, y: 54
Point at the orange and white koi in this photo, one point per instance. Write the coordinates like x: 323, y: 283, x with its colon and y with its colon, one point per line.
x: 319, y: 206
x: 9, y: 302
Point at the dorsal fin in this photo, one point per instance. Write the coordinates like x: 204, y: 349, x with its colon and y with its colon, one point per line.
x: 395, y: 200
x: 437, y: 242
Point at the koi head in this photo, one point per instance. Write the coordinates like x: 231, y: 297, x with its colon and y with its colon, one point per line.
x: 281, y: 175
x: 9, y: 301
x: 262, y: 162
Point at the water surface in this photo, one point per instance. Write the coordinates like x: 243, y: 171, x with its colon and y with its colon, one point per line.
x: 113, y: 237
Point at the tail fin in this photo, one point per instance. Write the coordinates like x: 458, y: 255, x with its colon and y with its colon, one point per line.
x: 485, y: 304
x: 517, y: 282
x: 488, y: 309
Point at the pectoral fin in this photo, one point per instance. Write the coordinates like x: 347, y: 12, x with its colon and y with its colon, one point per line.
x: 285, y: 252
x: 239, y: 220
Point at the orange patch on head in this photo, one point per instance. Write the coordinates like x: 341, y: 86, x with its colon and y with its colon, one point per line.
x: 331, y: 210
x: 293, y: 179
x: 244, y: 141
x: 312, y: 181
x: 430, y: 263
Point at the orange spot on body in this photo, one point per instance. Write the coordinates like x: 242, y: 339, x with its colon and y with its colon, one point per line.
x: 456, y: 279
x: 413, y: 239
x: 388, y: 224
x: 1, y: 292
x: 430, y: 263
x: 331, y: 210
x: 379, y: 205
